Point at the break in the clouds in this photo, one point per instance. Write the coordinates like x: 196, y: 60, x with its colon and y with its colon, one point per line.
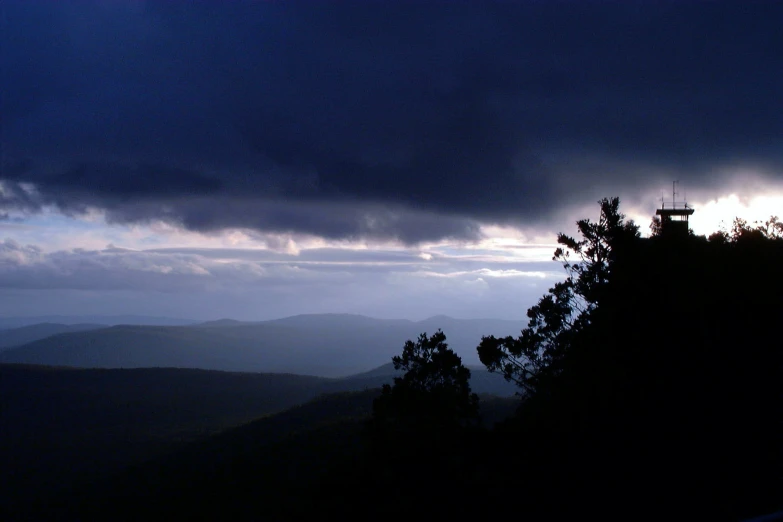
x: 390, y: 121
x: 258, y: 283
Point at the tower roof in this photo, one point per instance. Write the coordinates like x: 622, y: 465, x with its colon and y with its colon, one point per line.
x: 668, y: 212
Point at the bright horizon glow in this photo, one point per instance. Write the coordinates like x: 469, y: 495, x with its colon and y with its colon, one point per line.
x: 719, y: 214
x: 714, y: 211
x: 90, y: 266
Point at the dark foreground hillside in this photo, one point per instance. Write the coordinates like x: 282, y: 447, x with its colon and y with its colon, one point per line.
x: 59, y: 426
x: 311, y: 460
x: 64, y: 427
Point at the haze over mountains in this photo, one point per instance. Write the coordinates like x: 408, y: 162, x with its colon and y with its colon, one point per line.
x: 27, y: 334
x: 103, y: 320
x: 327, y: 345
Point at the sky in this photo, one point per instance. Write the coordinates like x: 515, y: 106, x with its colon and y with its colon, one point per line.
x: 207, y: 159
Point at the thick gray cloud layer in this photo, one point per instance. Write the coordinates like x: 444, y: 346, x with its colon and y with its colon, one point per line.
x: 405, y: 120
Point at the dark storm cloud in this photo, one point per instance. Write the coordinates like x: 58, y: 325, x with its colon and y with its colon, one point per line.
x: 411, y: 121
x: 325, y: 218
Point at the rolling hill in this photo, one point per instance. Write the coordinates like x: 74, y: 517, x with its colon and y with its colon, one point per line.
x: 65, y: 427
x: 257, y: 470
x: 62, y: 425
x: 27, y: 334
x: 329, y: 345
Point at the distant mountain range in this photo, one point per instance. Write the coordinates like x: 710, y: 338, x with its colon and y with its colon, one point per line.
x: 27, y: 334
x: 104, y: 320
x: 328, y: 345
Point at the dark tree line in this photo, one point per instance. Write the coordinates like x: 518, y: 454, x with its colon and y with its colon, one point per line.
x: 651, y: 378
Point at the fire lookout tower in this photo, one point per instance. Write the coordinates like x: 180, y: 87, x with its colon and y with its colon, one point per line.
x: 674, y: 219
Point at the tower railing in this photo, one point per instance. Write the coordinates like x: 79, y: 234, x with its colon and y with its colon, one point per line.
x: 674, y: 204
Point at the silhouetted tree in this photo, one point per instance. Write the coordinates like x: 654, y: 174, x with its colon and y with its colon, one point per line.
x: 771, y: 229
x: 423, y: 430
x: 536, y: 356
x: 656, y: 226
x: 435, y: 386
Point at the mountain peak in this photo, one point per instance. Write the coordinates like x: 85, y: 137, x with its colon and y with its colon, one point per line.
x: 440, y: 317
x: 221, y: 322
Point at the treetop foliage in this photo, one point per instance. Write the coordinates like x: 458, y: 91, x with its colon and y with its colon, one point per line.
x: 771, y: 229
x: 434, y: 388
x: 536, y: 355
